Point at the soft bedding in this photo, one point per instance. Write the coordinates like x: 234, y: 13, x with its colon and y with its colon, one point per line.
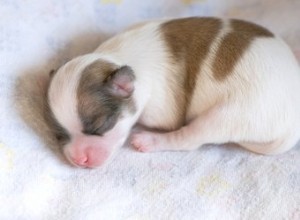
x: 214, y: 182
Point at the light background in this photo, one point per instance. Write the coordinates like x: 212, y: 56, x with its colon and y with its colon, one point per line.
x: 215, y: 182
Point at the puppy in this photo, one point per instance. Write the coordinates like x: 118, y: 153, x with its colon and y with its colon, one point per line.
x: 197, y: 80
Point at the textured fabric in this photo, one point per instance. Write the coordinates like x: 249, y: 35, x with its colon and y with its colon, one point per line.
x: 214, y: 182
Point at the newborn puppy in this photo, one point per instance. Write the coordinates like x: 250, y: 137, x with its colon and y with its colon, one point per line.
x: 197, y: 80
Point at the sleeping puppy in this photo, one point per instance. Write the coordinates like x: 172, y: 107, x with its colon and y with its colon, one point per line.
x: 196, y: 80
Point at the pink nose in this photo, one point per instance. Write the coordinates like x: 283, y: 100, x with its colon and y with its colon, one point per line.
x: 82, y: 161
x: 90, y: 157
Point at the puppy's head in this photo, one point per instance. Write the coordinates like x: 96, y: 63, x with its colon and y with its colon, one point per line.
x: 91, y: 102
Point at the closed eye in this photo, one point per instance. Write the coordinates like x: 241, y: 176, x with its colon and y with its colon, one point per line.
x: 98, y: 125
x: 95, y: 126
x: 93, y: 132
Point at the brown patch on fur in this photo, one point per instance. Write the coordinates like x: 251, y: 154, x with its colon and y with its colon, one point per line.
x: 234, y: 44
x: 189, y: 40
x: 97, y: 108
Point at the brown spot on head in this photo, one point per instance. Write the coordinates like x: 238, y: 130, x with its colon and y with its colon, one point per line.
x: 189, y: 41
x: 234, y: 44
x: 104, y: 91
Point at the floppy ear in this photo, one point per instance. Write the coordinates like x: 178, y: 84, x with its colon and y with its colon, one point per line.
x: 121, y: 82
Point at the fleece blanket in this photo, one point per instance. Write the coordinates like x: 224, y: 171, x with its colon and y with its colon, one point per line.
x: 214, y: 182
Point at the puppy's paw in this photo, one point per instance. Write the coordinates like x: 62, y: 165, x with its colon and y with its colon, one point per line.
x: 144, y: 141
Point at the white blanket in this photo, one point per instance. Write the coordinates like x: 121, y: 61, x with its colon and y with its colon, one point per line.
x: 215, y: 182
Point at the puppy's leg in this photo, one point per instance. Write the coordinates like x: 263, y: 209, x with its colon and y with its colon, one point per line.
x: 207, y: 128
x: 218, y: 125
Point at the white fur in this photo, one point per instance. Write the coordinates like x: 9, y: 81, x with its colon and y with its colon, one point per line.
x: 257, y: 105
x: 62, y: 93
x: 145, y: 52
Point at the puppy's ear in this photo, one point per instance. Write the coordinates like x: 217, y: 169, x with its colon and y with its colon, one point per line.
x: 121, y: 82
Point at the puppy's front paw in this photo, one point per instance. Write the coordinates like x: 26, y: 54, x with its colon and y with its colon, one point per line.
x: 144, y: 141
